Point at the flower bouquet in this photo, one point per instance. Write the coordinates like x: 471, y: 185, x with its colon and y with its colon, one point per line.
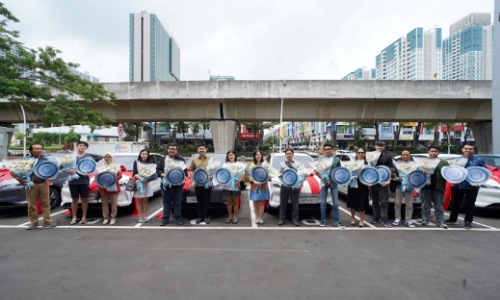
x: 23, y: 168
x: 404, y: 168
x: 372, y: 157
x: 270, y: 170
x: 303, y: 171
x: 212, y: 167
x: 459, y: 161
x: 68, y: 162
x: 427, y: 164
x: 171, y: 164
x: 353, y: 167
x: 111, y: 169
x: 147, y: 172
x: 236, y: 169
x: 323, y: 167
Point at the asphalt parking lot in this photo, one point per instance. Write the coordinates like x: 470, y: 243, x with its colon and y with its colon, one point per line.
x: 243, y: 261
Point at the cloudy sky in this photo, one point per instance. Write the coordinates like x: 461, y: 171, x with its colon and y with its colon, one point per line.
x: 248, y: 39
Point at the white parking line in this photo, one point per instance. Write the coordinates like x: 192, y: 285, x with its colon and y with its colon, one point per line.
x: 357, y: 218
x: 473, y: 222
x: 41, y: 218
x: 252, y: 214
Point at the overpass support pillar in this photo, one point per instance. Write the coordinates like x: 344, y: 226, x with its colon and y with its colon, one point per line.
x: 223, y: 135
x: 483, y: 136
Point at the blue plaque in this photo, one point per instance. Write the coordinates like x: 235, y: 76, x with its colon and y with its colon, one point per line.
x: 86, y: 165
x: 260, y: 174
x: 289, y: 178
x: 46, y: 170
x: 341, y: 175
x: 175, y: 176
x: 106, y: 178
x: 200, y: 176
x: 384, y: 173
x: 369, y: 175
x: 417, y: 179
x: 223, y: 176
x: 478, y: 175
x: 454, y: 174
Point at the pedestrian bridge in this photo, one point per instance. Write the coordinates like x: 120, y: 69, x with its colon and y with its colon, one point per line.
x: 304, y: 100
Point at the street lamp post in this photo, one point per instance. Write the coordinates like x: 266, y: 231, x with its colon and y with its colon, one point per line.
x: 281, y: 111
x: 24, y: 128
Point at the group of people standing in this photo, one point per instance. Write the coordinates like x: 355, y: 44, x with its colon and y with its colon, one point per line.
x: 358, y: 195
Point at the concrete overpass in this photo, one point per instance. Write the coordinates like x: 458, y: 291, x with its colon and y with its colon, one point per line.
x: 304, y: 100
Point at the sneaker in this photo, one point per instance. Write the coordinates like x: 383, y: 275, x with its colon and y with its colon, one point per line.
x: 396, y: 222
x: 322, y: 224
x: 165, y: 222
x: 49, y: 225
x: 32, y: 226
x: 112, y: 222
x: 450, y: 221
x: 198, y: 221
x: 338, y: 224
x: 375, y: 221
x: 409, y: 224
x: 387, y: 224
x: 296, y: 223
x: 280, y: 222
x: 425, y: 223
x: 442, y: 225
x: 468, y: 225
x: 141, y: 220
x: 106, y: 221
x: 179, y: 222
x: 207, y: 220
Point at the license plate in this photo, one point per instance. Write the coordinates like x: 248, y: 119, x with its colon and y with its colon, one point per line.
x: 308, y: 200
x: 191, y: 200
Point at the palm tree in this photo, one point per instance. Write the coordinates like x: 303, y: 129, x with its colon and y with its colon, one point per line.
x: 182, y: 127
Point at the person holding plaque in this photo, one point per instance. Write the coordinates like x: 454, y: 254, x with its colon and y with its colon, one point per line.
x: 380, y: 191
x: 404, y: 189
x: 329, y: 184
x: 434, y: 192
x: 358, y: 193
x: 287, y: 192
x: 202, y: 192
x: 465, y: 189
x: 109, y: 196
x: 79, y: 188
x: 142, y: 195
x: 259, y: 190
x: 171, y: 194
x: 39, y: 189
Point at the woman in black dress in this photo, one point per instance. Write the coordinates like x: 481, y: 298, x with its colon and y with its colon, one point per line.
x: 357, y: 198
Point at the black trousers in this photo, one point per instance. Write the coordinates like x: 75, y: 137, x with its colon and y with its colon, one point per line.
x: 203, y: 199
x: 457, y: 196
x: 285, y: 193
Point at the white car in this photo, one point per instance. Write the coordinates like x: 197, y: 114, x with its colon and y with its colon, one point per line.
x: 306, y: 198
x: 124, y: 198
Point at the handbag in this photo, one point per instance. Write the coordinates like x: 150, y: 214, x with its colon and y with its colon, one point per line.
x: 242, y: 186
x: 130, y: 186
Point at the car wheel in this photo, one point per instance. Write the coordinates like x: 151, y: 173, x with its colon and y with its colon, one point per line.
x: 272, y: 210
x: 54, y: 197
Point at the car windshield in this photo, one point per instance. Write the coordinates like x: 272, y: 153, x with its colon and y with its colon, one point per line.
x: 125, y: 160
x: 306, y: 159
x: 218, y: 156
x: 491, y: 160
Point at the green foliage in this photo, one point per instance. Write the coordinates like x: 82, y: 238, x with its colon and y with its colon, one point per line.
x: 42, y: 82
x: 48, y: 138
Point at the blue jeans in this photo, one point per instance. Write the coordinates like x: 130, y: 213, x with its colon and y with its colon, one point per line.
x: 172, y: 195
x: 437, y: 198
x: 335, y: 200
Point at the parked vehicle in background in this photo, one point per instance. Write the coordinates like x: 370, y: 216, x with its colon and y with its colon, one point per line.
x: 490, y: 159
x: 12, y: 193
x: 306, y: 198
x: 124, y: 198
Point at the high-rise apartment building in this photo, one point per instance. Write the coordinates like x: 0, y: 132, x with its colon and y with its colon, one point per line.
x: 416, y: 56
x: 467, y: 52
x: 153, y: 53
x: 361, y: 74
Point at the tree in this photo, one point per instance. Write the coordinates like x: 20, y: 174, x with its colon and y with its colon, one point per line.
x: 183, y: 128
x: 42, y: 82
